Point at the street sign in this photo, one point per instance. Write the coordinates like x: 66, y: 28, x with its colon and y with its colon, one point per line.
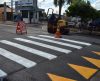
x: 25, y: 3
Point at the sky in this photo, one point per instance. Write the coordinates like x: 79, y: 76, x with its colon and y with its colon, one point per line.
x: 49, y: 4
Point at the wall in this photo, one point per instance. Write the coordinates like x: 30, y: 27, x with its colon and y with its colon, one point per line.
x: 1, y: 11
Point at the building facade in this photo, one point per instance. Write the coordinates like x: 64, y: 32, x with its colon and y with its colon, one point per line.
x: 29, y: 10
x: 8, y: 12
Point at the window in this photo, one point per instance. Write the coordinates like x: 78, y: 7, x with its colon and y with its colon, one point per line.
x: 24, y: 13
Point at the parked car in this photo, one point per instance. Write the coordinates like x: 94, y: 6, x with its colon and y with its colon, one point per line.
x: 95, y: 23
x: 71, y: 24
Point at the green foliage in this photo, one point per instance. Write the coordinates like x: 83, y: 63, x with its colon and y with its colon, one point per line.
x: 82, y: 9
x: 60, y: 3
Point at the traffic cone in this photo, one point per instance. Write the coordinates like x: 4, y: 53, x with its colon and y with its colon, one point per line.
x: 18, y: 29
x: 58, y: 34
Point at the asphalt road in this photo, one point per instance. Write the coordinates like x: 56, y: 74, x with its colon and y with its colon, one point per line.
x: 38, y: 56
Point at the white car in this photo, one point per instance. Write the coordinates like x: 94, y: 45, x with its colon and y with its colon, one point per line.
x: 71, y: 24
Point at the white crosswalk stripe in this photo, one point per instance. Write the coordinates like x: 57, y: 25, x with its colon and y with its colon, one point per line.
x: 18, y: 59
x: 28, y: 49
x: 57, y: 42
x: 44, y: 45
x: 68, y: 40
x: 2, y: 75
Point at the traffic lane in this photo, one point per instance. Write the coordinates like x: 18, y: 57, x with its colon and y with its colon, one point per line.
x: 90, y: 51
x: 23, y: 53
x: 96, y: 78
x: 20, y: 76
x: 61, y: 67
x: 9, y: 66
x: 7, y: 32
x: 88, y: 38
x: 57, y: 67
x: 48, y: 50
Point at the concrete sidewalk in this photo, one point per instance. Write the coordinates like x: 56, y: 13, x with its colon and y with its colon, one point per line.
x: 8, y: 22
x: 27, y: 24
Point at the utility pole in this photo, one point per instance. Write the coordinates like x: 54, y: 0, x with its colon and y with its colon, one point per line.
x: 12, y: 9
x: 5, y: 12
x: 34, y: 10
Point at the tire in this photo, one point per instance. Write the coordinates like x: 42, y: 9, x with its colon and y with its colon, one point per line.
x: 64, y: 31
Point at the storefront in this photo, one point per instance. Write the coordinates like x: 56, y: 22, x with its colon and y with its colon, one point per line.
x: 28, y: 9
x: 8, y: 12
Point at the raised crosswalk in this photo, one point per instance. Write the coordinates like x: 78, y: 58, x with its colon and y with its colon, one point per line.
x: 30, y: 45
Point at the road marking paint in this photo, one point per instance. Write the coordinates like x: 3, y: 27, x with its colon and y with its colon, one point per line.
x: 52, y: 41
x: 44, y: 45
x: 68, y: 40
x: 31, y: 50
x: 18, y: 59
x: 86, y: 72
x: 58, y: 78
x: 2, y: 75
x: 98, y: 53
x: 96, y: 62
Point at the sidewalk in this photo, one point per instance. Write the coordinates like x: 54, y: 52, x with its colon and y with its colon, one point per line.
x: 85, y: 32
x: 27, y: 24
x: 43, y: 26
x: 8, y: 22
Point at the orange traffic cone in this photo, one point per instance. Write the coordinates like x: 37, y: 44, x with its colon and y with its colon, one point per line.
x: 18, y: 28
x: 58, y: 34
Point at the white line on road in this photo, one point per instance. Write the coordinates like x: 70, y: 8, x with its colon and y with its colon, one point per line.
x: 18, y: 59
x: 2, y: 75
x: 68, y: 40
x: 31, y: 50
x: 44, y: 45
x: 57, y: 42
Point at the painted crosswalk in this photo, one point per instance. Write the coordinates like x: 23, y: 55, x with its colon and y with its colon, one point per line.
x: 44, y: 45
x: 30, y: 40
x: 28, y: 49
x: 14, y: 57
x: 52, y: 41
x: 2, y: 75
x: 68, y: 40
x: 46, y: 42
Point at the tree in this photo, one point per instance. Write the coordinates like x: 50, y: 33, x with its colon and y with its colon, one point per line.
x: 60, y: 3
x: 82, y: 9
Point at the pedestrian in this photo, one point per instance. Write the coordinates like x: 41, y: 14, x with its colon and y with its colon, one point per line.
x: 78, y: 25
x: 19, y: 18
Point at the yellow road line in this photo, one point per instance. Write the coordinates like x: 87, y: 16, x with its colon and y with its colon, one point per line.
x: 58, y: 78
x: 86, y: 72
x: 96, y: 62
x: 98, y: 53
